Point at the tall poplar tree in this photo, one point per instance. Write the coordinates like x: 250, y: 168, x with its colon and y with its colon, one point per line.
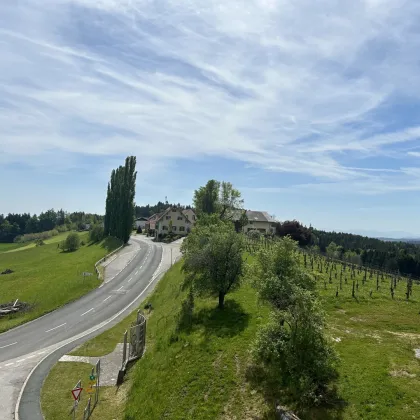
x: 119, y: 207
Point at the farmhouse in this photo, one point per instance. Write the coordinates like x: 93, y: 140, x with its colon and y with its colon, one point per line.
x: 173, y: 220
x: 257, y: 220
x: 140, y: 222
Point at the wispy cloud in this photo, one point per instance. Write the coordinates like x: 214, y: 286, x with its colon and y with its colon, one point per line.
x: 297, y: 87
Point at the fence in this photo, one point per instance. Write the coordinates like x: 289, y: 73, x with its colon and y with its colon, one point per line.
x: 134, y: 344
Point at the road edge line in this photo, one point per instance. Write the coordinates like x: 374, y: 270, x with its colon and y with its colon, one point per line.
x: 93, y: 329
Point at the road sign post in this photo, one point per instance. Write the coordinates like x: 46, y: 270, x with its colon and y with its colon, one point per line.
x: 76, y: 393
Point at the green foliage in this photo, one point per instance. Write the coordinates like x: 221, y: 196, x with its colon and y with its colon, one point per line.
x: 334, y: 251
x: 96, y: 234
x: 119, y: 212
x: 294, y: 346
x: 295, y: 230
x: 277, y: 274
x: 217, y: 198
x: 213, y: 260
x: 72, y: 242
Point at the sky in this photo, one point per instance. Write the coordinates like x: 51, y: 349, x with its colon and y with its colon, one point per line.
x: 311, y: 109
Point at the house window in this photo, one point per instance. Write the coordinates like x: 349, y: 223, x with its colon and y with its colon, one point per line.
x: 182, y: 229
x: 251, y: 222
x: 173, y: 227
x: 179, y: 217
x: 193, y: 216
x: 168, y: 217
x: 174, y: 210
x: 164, y: 227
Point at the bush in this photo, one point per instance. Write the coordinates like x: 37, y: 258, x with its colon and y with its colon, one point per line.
x: 71, y: 243
x: 294, y: 346
x: 96, y: 234
x: 39, y: 242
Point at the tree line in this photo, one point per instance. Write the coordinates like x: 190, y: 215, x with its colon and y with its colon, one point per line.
x: 14, y: 225
x: 148, y: 210
x: 384, y: 255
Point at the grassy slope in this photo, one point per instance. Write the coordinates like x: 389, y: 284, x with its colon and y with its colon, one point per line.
x: 22, y: 247
x: 8, y: 247
x: 203, y: 373
x: 47, y: 278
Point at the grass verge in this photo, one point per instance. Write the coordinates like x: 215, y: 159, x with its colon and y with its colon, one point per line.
x: 46, y: 278
x: 205, y: 371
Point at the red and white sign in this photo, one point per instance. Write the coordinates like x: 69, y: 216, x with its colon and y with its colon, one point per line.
x: 76, y: 393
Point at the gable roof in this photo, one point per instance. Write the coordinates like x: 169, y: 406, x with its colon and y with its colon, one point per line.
x: 254, y: 216
x: 168, y: 210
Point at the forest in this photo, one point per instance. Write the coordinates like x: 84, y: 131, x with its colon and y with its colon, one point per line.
x: 14, y: 225
x: 385, y: 255
x: 148, y: 210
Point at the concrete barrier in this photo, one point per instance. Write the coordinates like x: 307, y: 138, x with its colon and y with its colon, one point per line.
x: 105, y: 258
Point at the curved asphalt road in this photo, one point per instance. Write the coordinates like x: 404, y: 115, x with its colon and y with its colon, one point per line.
x: 78, y: 321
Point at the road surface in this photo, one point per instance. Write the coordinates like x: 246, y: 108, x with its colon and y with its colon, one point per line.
x: 57, y: 333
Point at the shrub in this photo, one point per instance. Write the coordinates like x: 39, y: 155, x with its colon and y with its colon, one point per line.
x: 96, y: 234
x: 294, y: 346
x: 39, y: 242
x: 71, y: 243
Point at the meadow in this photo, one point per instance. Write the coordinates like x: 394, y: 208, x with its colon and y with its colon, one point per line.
x: 206, y: 370
x: 45, y: 277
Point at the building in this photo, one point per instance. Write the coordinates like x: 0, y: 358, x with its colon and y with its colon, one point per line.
x: 257, y: 220
x: 190, y: 215
x: 141, y: 221
x: 171, y: 220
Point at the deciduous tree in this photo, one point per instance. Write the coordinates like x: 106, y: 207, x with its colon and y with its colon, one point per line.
x: 213, y: 261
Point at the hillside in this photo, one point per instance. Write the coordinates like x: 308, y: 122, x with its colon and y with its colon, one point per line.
x: 206, y: 371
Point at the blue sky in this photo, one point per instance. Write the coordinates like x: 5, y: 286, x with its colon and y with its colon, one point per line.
x: 310, y: 108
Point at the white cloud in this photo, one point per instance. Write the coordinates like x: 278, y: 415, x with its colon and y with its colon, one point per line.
x: 300, y: 87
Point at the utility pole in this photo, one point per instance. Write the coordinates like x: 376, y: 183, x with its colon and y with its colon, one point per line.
x: 171, y: 256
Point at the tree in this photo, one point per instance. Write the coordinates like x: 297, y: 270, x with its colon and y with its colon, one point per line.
x: 206, y: 198
x: 241, y: 222
x: 276, y: 273
x: 295, y: 230
x: 294, y: 346
x: 96, y: 234
x: 72, y: 242
x: 119, y: 206
x: 213, y: 260
x: 217, y: 198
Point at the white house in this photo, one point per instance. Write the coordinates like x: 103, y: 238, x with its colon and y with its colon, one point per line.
x: 172, y: 220
x: 141, y: 221
x: 257, y: 220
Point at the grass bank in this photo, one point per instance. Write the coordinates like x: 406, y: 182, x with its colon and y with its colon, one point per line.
x: 46, y: 278
x: 205, y: 371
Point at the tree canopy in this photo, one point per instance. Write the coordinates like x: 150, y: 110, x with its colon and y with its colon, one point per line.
x: 213, y: 260
x: 119, y: 212
x: 219, y: 198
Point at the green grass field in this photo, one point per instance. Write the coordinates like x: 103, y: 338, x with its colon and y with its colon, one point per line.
x: 22, y: 247
x: 46, y: 278
x: 206, y: 372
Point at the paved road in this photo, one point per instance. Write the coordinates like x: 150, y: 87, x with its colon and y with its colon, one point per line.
x: 74, y: 323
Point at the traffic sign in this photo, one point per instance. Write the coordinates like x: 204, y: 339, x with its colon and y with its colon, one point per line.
x: 76, y: 393
x: 90, y: 390
x: 92, y: 377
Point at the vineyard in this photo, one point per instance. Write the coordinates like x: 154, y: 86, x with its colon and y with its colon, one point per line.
x: 344, y: 277
x: 373, y: 317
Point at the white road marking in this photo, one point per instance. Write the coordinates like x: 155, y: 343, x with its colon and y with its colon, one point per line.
x: 131, y: 278
x: 9, y: 364
x: 58, y: 326
x: 8, y: 345
x: 109, y: 297
x: 90, y: 310
x: 136, y: 272
x: 120, y: 288
x: 21, y: 360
